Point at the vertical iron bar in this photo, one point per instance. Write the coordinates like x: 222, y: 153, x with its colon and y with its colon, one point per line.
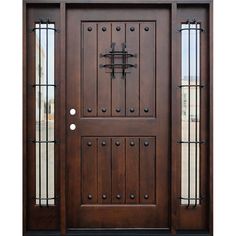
x: 123, y: 60
x: 47, y: 113
x: 189, y: 74
x: 39, y: 114
x: 196, y: 113
x: 55, y: 107
x: 112, y: 60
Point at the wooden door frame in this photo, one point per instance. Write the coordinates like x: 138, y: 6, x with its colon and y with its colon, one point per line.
x: 173, y: 4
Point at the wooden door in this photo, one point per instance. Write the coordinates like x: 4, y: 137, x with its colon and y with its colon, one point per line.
x: 117, y: 81
x: 118, y: 117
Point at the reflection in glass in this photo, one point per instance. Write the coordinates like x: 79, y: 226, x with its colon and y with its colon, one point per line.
x: 45, y: 95
x: 190, y: 113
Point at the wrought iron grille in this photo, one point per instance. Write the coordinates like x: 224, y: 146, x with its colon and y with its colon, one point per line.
x: 113, y: 54
x: 190, y: 113
x: 44, y: 87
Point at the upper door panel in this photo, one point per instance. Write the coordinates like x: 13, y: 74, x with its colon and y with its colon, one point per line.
x: 118, y: 68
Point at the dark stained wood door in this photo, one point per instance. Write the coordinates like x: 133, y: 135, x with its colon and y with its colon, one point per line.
x: 118, y: 117
x: 118, y: 78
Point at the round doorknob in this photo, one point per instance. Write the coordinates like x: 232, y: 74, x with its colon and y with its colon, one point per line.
x: 104, y: 109
x: 89, y: 144
x: 89, y: 109
x: 131, y: 110
x: 103, y: 143
x: 118, y: 196
x: 117, y: 109
x: 146, y: 110
x: 90, y: 196
x: 146, y: 196
x: 104, y: 196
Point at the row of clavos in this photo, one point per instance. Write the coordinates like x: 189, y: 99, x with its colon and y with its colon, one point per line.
x: 118, y: 196
x: 117, y: 143
x: 118, y: 110
x: 118, y: 28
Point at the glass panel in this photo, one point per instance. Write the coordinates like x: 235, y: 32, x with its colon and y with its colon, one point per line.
x: 45, y: 96
x: 190, y: 113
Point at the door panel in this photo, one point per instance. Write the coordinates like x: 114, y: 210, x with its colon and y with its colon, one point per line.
x: 118, y: 170
x: 147, y: 170
x: 132, y: 170
x: 89, y: 170
x: 120, y: 124
x: 147, y: 69
x: 118, y: 84
x: 104, y: 170
x: 104, y: 82
x: 132, y: 76
x: 129, y: 95
x: 89, y: 62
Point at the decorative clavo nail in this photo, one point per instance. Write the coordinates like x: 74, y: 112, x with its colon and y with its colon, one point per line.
x: 146, y: 143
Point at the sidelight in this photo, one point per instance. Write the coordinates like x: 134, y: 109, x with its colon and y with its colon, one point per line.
x: 44, y: 114
x: 190, y: 113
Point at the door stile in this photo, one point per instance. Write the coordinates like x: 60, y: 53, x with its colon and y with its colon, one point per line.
x: 174, y: 116
x: 210, y: 40
x: 62, y: 134
x: 24, y: 118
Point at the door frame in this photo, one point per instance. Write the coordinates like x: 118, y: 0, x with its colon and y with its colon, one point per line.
x: 62, y: 6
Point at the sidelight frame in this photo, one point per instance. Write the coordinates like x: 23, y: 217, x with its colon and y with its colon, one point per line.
x: 173, y: 4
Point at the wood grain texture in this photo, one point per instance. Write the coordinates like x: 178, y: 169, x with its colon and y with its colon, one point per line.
x: 211, y: 121
x: 118, y: 170
x: 89, y: 69
x: 62, y: 110
x: 89, y: 170
x: 147, y: 69
x: 119, y: 209
x: 185, y: 215
x: 136, y: 2
x: 132, y: 76
x: 39, y: 217
x: 112, y: 169
x: 104, y: 170
x: 118, y: 83
x: 104, y: 77
x: 132, y: 170
x: 147, y: 170
x: 174, y: 116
